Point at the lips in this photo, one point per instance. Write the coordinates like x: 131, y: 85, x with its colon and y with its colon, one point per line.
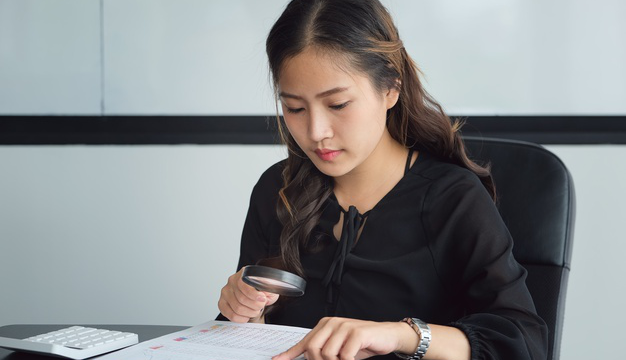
x: 327, y: 154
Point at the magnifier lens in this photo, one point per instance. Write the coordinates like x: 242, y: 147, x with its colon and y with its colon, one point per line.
x: 272, y: 280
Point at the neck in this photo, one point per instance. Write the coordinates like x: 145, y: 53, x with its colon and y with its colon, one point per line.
x: 366, y: 184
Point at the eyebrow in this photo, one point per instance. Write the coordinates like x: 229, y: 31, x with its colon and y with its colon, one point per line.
x: 320, y: 95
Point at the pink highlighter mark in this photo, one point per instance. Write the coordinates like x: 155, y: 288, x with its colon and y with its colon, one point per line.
x: 156, y: 347
x: 180, y: 339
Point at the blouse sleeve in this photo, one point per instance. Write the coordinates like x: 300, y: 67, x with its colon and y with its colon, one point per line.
x: 472, y: 251
x: 260, y: 226
x: 261, y: 229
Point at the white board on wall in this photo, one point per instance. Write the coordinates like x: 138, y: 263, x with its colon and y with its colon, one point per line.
x: 207, y: 57
x: 50, y: 57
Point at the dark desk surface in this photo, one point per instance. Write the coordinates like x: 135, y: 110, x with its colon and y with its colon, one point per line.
x: 145, y: 332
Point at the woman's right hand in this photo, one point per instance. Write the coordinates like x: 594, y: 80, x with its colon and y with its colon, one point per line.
x: 241, y: 303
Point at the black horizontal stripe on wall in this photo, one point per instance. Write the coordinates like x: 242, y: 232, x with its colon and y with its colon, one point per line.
x: 172, y: 130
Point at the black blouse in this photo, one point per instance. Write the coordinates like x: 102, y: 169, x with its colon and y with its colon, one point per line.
x: 434, y: 247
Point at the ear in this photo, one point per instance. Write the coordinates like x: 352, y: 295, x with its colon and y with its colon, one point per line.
x: 392, y: 95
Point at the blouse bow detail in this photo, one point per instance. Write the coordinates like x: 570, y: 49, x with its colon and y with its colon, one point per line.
x: 352, y: 222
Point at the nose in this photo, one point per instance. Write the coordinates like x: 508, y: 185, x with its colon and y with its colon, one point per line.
x: 320, y: 126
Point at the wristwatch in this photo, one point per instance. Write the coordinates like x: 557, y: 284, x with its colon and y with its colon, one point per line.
x: 423, y: 331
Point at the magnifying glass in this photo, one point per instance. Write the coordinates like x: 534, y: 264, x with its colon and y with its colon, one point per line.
x: 273, y: 280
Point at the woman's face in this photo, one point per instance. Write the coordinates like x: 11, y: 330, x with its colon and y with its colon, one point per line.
x: 335, y: 115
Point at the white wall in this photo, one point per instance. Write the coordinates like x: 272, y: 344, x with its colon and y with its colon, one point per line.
x: 148, y: 234
x: 596, y: 293
x: 122, y: 234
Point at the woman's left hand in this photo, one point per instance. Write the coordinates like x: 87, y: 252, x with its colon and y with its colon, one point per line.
x: 346, y: 339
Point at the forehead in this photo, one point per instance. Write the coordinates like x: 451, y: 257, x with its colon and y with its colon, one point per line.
x: 314, y: 71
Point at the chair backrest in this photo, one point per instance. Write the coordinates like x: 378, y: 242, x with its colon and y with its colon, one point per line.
x: 537, y: 202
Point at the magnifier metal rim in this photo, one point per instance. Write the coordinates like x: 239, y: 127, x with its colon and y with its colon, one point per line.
x: 294, y: 280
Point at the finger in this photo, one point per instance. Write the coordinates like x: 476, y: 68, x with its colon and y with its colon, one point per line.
x: 221, y: 305
x: 271, y: 298
x: 239, y: 308
x: 334, y: 344
x: 313, y: 354
x: 230, y: 314
x: 229, y: 296
x: 249, y: 295
x: 232, y: 288
x: 246, y: 294
x: 299, y: 348
x: 351, y: 347
x: 244, y: 300
x: 317, y: 338
x: 291, y: 353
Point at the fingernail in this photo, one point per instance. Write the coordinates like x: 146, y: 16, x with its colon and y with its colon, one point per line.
x: 260, y: 298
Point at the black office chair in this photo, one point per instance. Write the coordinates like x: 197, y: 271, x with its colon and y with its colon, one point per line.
x: 537, y: 202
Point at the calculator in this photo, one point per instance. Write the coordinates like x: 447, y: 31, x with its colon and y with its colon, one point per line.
x: 75, y: 342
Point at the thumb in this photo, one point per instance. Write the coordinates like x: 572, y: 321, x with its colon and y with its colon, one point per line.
x: 270, y: 298
x: 292, y: 353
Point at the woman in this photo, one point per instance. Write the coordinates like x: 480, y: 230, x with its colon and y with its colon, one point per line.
x: 377, y: 206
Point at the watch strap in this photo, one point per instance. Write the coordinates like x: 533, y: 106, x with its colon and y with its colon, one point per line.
x: 423, y: 332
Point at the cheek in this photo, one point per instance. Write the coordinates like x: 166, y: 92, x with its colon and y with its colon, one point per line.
x: 296, y: 127
x: 367, y: 122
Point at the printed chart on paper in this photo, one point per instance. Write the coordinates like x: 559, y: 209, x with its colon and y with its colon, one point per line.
x: 216, y: 340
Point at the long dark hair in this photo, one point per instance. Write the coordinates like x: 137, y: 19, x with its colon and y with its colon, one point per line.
x: 363, y: 32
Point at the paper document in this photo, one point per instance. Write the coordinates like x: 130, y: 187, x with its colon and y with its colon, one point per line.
x: 215, y: 340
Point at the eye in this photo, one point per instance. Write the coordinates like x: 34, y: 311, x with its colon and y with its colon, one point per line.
x: 294, y: 111
x: 340, y: 106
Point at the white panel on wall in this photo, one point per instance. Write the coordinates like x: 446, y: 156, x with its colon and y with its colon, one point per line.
x: 479, y: 57
x: 519, y: 57
x: 50, y: 57
x: 188, y: 57
x: 207, y: 57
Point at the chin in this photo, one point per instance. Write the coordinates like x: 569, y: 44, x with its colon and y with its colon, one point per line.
x: 331, y: 169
